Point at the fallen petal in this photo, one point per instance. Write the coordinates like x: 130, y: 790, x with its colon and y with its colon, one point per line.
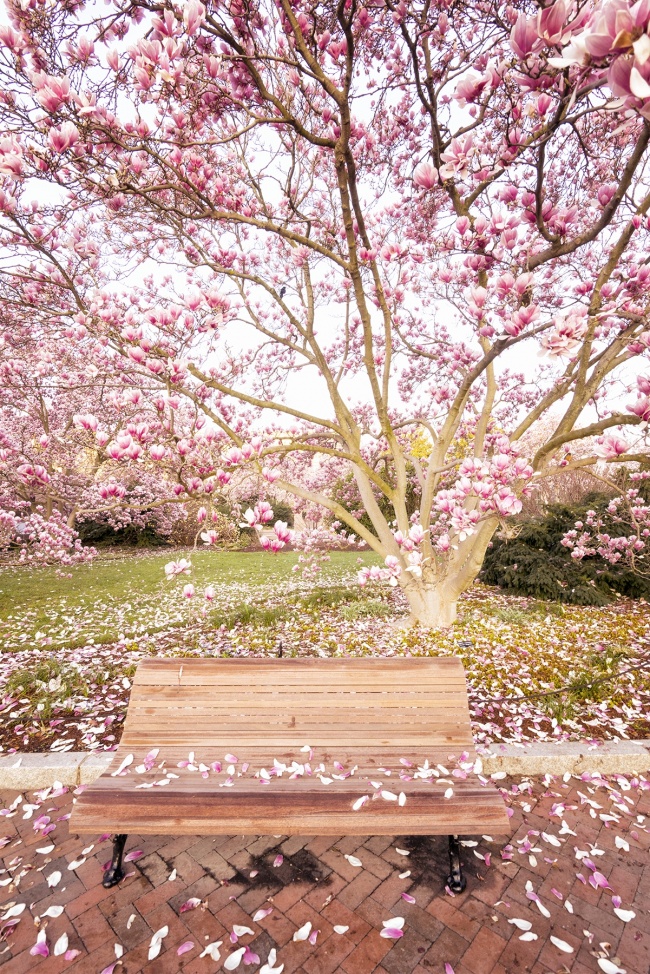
x: 562, y: 945
x: 233, y: 960
x: 520, y: 924
x: 261, y: 914
x: 212, y: 950
x: 625, y: 915
x: 190, y: 904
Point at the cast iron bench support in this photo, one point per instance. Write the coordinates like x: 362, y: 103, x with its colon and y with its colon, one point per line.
x: 115, y: 872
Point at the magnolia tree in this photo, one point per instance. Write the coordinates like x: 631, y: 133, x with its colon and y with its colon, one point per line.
x: 341, y: 231
x: 67, y: 419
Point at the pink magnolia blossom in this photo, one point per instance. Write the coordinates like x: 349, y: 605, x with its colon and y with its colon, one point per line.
x: 611, y: 446
x: 180, y: 567
x: 64, y: 137
x: 425, y: 176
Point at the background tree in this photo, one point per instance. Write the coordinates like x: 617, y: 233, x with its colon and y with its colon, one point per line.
x: 374, y: 216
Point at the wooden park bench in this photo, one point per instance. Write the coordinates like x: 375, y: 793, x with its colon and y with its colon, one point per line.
x: 372, y: 715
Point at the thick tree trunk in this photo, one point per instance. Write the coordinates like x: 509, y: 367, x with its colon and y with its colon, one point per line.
x: 432, y: 606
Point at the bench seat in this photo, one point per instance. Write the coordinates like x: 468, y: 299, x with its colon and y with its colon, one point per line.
x: 373, y: 715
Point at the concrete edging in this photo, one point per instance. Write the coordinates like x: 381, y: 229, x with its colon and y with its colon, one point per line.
x: 25, y: 772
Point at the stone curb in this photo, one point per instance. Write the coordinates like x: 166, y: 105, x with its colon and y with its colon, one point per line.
x: 25, y: 772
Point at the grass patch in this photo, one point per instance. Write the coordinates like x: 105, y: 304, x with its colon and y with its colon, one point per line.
x: 247, y: 614
x: 51, y: 684
x: 369, y: 608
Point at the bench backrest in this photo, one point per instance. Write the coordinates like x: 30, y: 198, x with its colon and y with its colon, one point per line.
x: 238, y: 703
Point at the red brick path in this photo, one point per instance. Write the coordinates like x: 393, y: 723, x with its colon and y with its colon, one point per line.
x: 315, y: 882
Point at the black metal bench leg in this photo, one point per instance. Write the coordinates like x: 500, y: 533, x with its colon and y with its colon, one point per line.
x: 115, y: 873
x: 455, y: 881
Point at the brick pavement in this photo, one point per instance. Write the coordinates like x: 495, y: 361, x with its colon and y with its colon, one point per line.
x: 234, y: 876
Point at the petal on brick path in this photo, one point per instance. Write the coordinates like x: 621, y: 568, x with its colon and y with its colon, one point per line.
x: 562, y: 945
x: 190, y: 904
x: 40, y: 947
x: 212, y: 950
x: 608, y: 966
x: 303, y: 932
x: 625, y: 915
x: 269, y: 967
x: 233, y: 960
x: 520, y: 924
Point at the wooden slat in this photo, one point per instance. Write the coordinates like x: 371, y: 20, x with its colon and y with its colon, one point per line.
x: 290, y: 807
x: 366, y: 758
x: 303, y: 672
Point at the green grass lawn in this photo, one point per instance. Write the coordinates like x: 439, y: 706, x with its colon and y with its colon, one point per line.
x: 112, y: 595
x: 118, y: 578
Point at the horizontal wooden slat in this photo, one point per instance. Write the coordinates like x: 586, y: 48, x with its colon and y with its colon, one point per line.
x: 365, y: 757
x: 278, y: 741
x: 416, y: 717
x: 303, y: 672
x: 329, y: 696
x: 289, y: 807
